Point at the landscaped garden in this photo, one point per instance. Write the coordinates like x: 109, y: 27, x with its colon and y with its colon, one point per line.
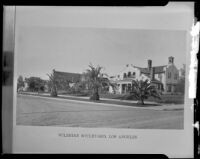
x: 165, y: 98
x: 94, y: 88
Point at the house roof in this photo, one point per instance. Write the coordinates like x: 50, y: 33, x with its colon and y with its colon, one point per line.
x: 156, y: 81
x: 71, y: 77
x: 157, y: 69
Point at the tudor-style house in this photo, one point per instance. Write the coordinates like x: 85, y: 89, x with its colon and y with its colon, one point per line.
x: 165, y: 77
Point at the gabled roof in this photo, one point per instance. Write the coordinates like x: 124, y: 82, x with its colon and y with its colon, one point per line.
x: 157, y: 69
x: 156, y: 81
x: 71, y: 77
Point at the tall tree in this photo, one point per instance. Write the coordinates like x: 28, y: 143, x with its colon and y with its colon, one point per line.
x: 95, y: 80
x: 20, y: 82
x: 35, y: 84
x: 53, y: 84
x: 142, y: 90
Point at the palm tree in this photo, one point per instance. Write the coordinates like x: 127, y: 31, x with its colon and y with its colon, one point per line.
x: 141, y: 90
x: 20, y: 83
x: 95, y: 80
x: 53, y: 84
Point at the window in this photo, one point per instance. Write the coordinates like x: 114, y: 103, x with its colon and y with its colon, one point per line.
x: 124, y: 75
x: 129, y: 74
x: 160, y: 77
x: 176, y: 76
x: 169, y: 74
x: 133, y: 73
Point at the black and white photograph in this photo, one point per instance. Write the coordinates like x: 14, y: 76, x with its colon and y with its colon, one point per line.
x: 105, y: 80
x: 97, y: 77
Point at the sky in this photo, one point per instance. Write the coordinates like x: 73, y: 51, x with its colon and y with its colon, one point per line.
x: 39, y: 50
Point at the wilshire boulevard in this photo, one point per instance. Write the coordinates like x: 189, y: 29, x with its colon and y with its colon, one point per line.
x: 42, y: 111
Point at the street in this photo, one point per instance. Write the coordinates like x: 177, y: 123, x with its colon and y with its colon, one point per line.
x: 43, y: 111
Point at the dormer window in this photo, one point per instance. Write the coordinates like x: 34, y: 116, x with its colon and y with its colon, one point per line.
x: 129, y: 74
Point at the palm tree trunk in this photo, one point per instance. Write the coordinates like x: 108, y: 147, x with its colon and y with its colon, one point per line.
x: 142, y: 101
x: 95, y: 95
x: 54, y: 91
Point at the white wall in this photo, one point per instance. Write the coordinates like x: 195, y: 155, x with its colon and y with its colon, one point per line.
x: 173, y: 70
x: 130, y: 69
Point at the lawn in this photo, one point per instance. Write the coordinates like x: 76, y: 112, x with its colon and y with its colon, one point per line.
x: 42, y: 111
x: 165, y: 98
x: 98, y: 101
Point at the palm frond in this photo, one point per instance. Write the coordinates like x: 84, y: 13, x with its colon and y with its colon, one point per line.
x: 144, y: 89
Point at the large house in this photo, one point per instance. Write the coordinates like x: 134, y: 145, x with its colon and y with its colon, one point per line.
x: 165, y: 77
x: 66, y: 80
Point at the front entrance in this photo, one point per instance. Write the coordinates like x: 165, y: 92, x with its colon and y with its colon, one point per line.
x: 124, y: 88
x: 169, y: 88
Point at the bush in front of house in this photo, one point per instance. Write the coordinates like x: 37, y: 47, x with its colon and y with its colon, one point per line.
x: 142, y: 90
x: 169, y: 99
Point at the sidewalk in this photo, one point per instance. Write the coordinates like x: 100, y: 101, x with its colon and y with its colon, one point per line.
x: 128, y: 103
x: 108, y: 99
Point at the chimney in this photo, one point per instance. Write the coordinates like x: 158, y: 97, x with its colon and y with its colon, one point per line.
x: 149, y: 64
x: 171, y: 60
x: 152, y: 74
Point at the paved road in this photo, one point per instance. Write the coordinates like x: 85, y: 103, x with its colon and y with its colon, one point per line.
x: 39, y: 111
